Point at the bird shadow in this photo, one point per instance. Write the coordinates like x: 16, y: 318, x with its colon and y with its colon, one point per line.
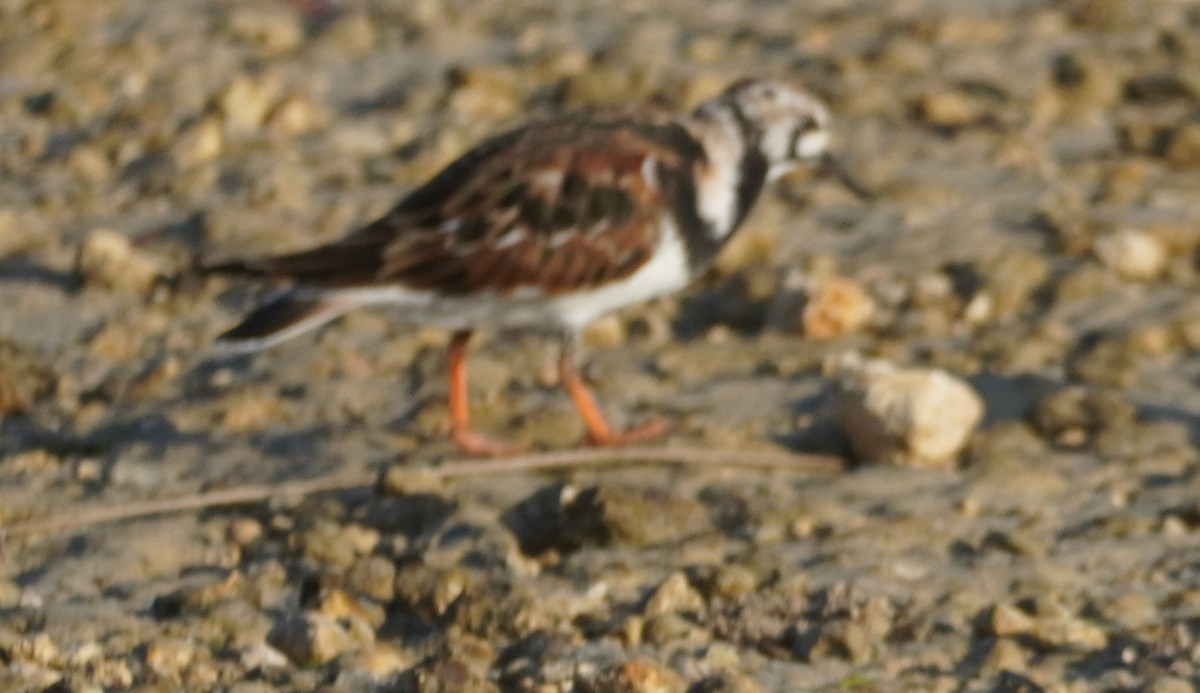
x: 20, y: 269
x: 821, y: 435
x: 722, y: 301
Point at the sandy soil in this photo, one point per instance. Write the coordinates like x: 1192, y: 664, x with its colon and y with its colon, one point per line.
x: 1037, y: 163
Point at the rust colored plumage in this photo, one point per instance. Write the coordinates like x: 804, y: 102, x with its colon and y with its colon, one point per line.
x: 560, y: 206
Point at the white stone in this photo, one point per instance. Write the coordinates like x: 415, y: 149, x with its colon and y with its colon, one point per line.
x: 909, y: 417
x: 1132, y: 254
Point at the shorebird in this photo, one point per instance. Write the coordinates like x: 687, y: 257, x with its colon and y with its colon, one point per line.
x: 550, y: 226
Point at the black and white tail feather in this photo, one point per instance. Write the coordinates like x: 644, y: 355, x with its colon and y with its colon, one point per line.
x: 284, y: 314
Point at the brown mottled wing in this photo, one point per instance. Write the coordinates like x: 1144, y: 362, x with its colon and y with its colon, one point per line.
x: 559, y: 206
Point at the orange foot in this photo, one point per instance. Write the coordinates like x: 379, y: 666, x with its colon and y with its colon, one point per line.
x: 651, y: 430
x: 478, y: 445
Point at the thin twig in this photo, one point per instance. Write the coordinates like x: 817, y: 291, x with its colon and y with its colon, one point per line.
x: 102, y: 513
x: 88, y: 516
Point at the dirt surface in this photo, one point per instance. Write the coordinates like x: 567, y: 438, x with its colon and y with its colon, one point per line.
x: 1037, y: 164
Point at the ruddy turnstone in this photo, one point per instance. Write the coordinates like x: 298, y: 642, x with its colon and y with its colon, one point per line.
x: 552, y: 225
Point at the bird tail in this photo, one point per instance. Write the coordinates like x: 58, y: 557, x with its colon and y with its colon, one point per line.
x: 281, y: 317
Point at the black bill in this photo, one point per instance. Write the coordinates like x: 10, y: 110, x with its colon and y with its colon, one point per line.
x: 830, y: 166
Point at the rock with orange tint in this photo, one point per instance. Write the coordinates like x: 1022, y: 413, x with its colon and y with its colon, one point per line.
x: 640, y: 676
x: 839, y: 306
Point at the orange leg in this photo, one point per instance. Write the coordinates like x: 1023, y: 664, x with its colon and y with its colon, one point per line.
x: 599, y: 432
x: 468, y: 441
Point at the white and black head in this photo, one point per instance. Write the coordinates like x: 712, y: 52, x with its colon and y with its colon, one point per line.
x: 787, y: 125
x: 784, y: 125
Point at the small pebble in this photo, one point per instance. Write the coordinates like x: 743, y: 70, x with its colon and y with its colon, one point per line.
x: 199, y: 144
x: 340, y: 606
x: 85, y: 654
x: 274, y: 28
x: 111, y: 674
x: 295, y: 115
x: 310, y: 637
x: 244, y: 531
x: 247, y: 101
x: 329, y: 542
x: 262, y: 657
x: 374, y: 576
x: 1055, y: 631
x: 168, y: 657
x: 947, y: 109
x: 1009, y: 620
x: 252, y: 410
x: 1132, y: 254
x: 384, y: 659
x: 1013, y: 278
x: 733, y: 581
x: 485, y: 93
x: 1005, y: 655
x: 1171, y: 684
x: 107, y: 259
x: 39, y: 649
x: 674, y: 595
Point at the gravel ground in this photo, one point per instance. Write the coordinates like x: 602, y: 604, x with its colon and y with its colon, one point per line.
x: 1036, y: 161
